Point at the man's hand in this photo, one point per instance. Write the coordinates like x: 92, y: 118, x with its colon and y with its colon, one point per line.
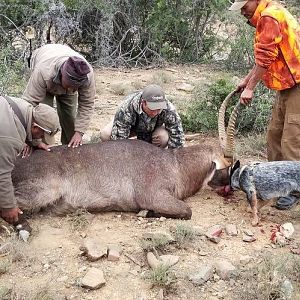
x: 246, y: 96
x: 11, y: 215
x: 26, y: 151
x: 241, y: 86
x: 43, y: 146
x: 76, y: 140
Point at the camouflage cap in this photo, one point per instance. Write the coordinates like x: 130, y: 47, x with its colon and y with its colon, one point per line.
x: 46, y: 118
x: 155, y: 97
x: 237, y: 4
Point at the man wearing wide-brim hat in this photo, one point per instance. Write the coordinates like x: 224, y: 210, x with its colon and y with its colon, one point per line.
x: 149, y: 116
x: 59, y: 71
x: 20, y: 123
x: 277, y: 64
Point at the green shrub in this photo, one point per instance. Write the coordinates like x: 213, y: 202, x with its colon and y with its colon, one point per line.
x: 12, y: 70
x: 184, y: 234
x: 201, y: 114
x: 162, y: 276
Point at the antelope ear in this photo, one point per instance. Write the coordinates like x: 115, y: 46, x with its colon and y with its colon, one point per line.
x: 221, y: 163
x: 236, y: 166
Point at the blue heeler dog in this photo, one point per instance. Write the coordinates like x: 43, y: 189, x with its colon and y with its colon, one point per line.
x: 266, y: 180
x: 262, y: 181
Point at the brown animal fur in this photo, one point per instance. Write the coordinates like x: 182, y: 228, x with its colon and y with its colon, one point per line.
x: 113, y: 176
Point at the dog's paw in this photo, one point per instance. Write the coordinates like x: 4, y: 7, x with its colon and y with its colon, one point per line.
x: 255, y: 221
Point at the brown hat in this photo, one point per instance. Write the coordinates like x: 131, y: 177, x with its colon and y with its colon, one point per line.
x: 75, y: 70
x: 46, y: 118
x: 155, y: 97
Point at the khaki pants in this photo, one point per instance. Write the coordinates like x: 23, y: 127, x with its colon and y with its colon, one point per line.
x: 159, y: 133
x: 283, y: 134
x: 66, y: 110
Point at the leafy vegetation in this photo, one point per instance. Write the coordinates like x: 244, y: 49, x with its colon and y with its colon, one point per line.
x: 201, y: 113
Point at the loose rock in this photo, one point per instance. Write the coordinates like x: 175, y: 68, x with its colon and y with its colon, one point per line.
x: 114, y: 252
x: 93, y: 250
x: 204, y: 273
x: 225, y: 269
x: 94, y: 279
x: 231, y: 230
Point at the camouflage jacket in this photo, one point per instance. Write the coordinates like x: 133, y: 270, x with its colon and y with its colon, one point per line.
x: 131, y: 118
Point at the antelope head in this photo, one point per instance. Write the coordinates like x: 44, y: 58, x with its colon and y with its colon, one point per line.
x: 226, y: 138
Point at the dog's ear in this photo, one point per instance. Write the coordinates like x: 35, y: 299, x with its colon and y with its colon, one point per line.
x: 236, y: 166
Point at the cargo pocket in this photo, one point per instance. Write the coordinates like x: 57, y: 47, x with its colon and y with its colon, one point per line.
x: 291, y: 137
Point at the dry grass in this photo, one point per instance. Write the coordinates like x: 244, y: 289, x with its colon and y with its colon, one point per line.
x: 161, y: 77
x: 78, y: 219
x: 265, y: 281
x: 184, y: 234
x: 162, y: 276
x: 157, y: 242
x: 138, y: 84
x: 252, y: 145
x: 120, y: 88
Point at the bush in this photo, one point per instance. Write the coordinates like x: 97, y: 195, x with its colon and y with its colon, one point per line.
x: 201, y: 114
x: 12, y: 72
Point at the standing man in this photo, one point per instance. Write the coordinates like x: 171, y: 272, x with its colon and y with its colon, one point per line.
x: 148, y: 116
x: 59, y: 71
x: 20, y: 123
x: 277, y: 64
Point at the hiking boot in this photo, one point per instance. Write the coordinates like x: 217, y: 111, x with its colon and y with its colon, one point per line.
x: 287, y: 202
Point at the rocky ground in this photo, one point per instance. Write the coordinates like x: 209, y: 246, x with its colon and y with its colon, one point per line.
x: 215, y: 255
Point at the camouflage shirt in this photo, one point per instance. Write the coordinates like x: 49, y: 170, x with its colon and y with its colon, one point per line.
x: 131, y: 118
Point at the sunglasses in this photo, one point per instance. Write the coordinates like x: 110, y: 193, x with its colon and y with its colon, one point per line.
x: 48, y: 131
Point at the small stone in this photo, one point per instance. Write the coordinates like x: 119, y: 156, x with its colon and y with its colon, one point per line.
x: 169, y: 260
x: 94, y: 279
x: 231, y: 230
x: 215, y: 239
x: 114, y: 252
x: 143, y: 213
x: 287, y: 229
x: 204, y: 273
x: 24, y: 235
x: 162, y: 219
x: 248, y: 232
x: 225, y: 269
x: 83, y: 235
x: 93, y: 250
x: 215, y: 230
x: 152, y: 260
x: 248, y: 239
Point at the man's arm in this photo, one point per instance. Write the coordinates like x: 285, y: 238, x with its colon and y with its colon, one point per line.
x: 173, y: 125
x: 268, y: 36
x: 256, y: 76
x: 86, y: 103
x: 124, y: 120
x: 8, y: 205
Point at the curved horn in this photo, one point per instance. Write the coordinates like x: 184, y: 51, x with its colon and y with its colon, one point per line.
x: 221, y: 121
x: 228, y: 153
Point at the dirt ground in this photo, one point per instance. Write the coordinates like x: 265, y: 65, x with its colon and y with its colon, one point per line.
x: 51, y: 260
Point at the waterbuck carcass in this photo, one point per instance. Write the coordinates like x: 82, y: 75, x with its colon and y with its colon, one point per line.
x: 124, y: 175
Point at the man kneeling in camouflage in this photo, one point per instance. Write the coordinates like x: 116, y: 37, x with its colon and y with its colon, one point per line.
x: 148, y: 116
